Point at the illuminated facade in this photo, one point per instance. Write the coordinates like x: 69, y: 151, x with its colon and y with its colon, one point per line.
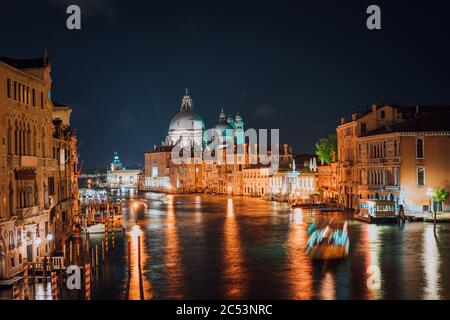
x: 120, y: 178
x: 327, y: 177
x: 187, y: 129
x: 394, y: 153
x: 38, y: 166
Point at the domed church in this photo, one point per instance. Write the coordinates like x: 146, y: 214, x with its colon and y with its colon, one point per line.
x: 188, y: 128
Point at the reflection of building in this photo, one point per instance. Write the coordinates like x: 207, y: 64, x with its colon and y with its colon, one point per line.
x: 394, y: 153
x: 121, y: 178
x: 38, y: 165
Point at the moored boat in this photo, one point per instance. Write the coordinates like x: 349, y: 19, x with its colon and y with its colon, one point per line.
x: 99, y: 228
x: 376, y: 211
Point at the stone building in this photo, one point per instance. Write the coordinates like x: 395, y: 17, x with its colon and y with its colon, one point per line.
x: 38, y: 165
x: 327, y: 185
x: 187, y: 129
x: 121, y: 179
x: 394, y: 153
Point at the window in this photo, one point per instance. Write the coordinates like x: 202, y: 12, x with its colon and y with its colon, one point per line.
x: 15, y: 90
x: 19, y: 237
x: 11, y: 240
x: 363, y: 128
x: 42, y: 100
x: 420, y: 176
x: 383, y: 115
x: 419, y: 148
x: 13, y: 262
x: 51, y: 186
x: 33, y: 97
x: 8, y: 87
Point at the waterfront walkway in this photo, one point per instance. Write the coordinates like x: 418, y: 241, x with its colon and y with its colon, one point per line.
x: 441, y: 217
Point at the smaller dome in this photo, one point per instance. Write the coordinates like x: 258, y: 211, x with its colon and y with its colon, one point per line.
x: 238, y: 117
x: 222, y: 124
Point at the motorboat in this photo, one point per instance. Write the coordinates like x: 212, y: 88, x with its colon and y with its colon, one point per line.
x: 327, y: 243
x: 376, y: 211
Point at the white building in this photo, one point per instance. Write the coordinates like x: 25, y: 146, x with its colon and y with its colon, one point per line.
x: 120, y: 178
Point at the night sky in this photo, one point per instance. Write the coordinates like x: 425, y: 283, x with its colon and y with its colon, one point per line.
x: 298, y: 66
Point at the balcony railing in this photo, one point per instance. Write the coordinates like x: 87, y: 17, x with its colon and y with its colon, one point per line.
x: 28, y: 212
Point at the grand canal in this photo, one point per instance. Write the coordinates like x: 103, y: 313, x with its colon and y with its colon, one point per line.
x: 213, y: 247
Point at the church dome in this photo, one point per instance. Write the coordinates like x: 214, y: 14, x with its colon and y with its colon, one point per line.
x: 186, y: 120
x: 222, y: 124
x: 186, y: 126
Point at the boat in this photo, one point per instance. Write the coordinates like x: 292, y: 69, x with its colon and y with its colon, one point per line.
x: 308, y: 205
x: 327, y: 243
x: 99, y: 228
x: 331, y: 209
x: 376, y: 211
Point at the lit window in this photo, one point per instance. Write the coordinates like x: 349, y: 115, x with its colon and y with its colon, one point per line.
x: 420, y: 176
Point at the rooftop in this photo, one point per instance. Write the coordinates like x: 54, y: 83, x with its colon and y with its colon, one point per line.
x: 426, y: 122
x: 26, y: 63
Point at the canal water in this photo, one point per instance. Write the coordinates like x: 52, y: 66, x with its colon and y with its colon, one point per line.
x: 213, y: 247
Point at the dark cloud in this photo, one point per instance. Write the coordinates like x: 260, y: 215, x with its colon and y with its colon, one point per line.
x: 264, y: 111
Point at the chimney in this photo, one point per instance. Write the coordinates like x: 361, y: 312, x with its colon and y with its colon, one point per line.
x: 342, y: 120
x: 417, y: 109
x: 374, y: 108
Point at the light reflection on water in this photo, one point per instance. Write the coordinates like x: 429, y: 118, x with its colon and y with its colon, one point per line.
x: 173, y: 263
x: 431, y: 265
x: 234, y: 273
x: 300, y: 269
x: 212, y: 247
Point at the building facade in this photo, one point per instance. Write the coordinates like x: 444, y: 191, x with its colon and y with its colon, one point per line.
x: 120, y: 178
x: 38, y: 165
x: 394, y: 153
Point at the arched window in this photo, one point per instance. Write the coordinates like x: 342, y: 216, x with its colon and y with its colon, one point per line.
x: 419, y: 148
x: 395, y: 148
x: 43, y: 143
x: 10, y: 142
x: 34, y: 141
x: 16, y: 138
x: 420, y: 176
x: 28, y: 141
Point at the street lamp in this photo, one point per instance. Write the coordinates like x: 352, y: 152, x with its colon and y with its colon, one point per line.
x: 430, y: 194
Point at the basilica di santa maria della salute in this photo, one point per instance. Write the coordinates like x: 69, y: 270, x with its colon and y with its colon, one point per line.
x: 187, y: 127
x: 245, y: 175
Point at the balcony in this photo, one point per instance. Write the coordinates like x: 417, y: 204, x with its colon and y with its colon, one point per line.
x: 28, y: 161
x: 28, y: 212
x: 22, y: 161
